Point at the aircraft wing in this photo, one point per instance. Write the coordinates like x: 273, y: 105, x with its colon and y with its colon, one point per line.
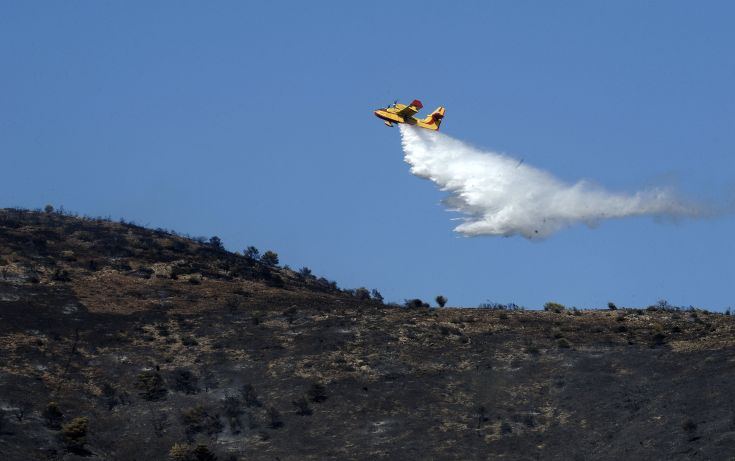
x: 411, y: 109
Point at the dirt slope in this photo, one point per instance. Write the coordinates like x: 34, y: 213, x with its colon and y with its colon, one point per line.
x: 124, y: 343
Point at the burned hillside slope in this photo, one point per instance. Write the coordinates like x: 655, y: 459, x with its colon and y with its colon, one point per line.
x: 125, y: 343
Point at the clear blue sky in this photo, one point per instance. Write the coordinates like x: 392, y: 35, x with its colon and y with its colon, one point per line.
x: 253, y: 121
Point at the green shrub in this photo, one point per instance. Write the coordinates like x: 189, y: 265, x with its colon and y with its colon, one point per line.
x: 179, y: 452
x: 612, y: 306
x: 441, y: 300
x: 198, y: 420
x: 74, y: 433
x: 554, y: 307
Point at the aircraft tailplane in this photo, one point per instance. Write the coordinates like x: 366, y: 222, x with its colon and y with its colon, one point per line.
x: 435, y: 118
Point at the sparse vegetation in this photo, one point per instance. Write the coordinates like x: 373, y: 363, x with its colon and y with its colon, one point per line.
x: 109, y: 344
x: 612, y: 306
x: 441, y: 300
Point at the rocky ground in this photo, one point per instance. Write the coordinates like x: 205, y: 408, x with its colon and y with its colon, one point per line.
x: 124, y: 343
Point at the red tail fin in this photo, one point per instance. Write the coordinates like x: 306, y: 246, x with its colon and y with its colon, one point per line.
x: 417, y: 104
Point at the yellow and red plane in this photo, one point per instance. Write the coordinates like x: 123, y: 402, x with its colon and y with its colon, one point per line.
x: 401, y: 113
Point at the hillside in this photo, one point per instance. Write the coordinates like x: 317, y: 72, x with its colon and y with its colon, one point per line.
x: 125, y: 343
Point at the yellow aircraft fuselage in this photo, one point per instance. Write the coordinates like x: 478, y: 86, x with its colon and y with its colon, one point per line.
x: 401, y: 113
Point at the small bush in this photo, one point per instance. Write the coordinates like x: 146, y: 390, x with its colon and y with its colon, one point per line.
x: 185, y: 381
x: 414, y: 303
x: 252, y: 253
x: 150, y: 386
x: 689, y: 426
x: 109, y: 396
x: 376, y: 295
x: 563, y: 343
x: 74, y: 434
x: 362, y: 293
x: 317, y: 393
x: 216, y: 243
x: 202, y: 453
x: 612, y: 306
x: 305, y: 272
x: 441, y: 300
x: 53, y: 416
x: 249, y: 396
x: 183, y: 452
x: 554, y: 307
x: 302, y: 406
x: 179, y: 452
x: 232, y: 408
x: 275, y: 418
x: 189, y: 341
x: 197, y: 420
x: 60, y: 275
x: 269, y: 258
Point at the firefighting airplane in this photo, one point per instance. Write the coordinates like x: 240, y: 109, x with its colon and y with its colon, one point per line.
x: 401, y: 113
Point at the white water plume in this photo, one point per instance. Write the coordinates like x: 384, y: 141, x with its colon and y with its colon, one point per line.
x: 501, y: 196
